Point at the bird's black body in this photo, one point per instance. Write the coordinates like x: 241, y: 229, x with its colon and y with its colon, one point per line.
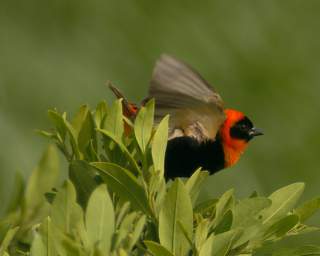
x: 185, y: 154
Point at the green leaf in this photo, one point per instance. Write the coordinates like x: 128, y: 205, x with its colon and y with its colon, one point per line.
x: 84, y: 127
x: 133, y: 164
x: 7, y: 239
x: 246, y: 211
x: 225, y: 223
x: 159, y: 144
x: 125, y: 229
x: 177, y: 207
x: 17, y: 193
x: 121, y: 213
x: 66, y: 214
x: 157, y: 249
x: 70, y: 247
x: 201, y: 233
x: 44, y: 241
x: 139, y: 226
x: 100, y: 219
x: 218, y: 245
x: 43, y: 178
x: 283, y: 200
x: 113, y: 123
x: 38, y: 247
x: 100, y: 113
x: 124, y: 184
x: 5, y: 225
x: 79, y: 118
x: 308, y: 209
x: 73, y: 140
x: 83, y: 176
x: 156, y: 190
x: 194, y: 183
x: 46, y: 134
x: 206, y: 206
x: 185, y: 233
x: 282, y: 226
x: 64, y: 127
x: 57, y: 119
x: 143, y: 125
x: 307, y: 250
x: 303, y: 229
x: 251, y: 235
x: 121, y: 252
x: 224, y: 204
x: 48, y: 236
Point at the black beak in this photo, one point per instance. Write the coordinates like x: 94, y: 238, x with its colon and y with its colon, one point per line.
x: 255, y: 132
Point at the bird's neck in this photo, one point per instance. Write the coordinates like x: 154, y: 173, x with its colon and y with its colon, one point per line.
x: 232, y: 151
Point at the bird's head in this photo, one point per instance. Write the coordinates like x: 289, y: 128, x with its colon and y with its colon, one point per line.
x: 236, y: 131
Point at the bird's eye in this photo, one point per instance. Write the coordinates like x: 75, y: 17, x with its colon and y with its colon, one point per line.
x: 243, y: 127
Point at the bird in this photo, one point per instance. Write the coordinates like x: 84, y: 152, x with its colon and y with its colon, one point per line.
x: 202, y: 132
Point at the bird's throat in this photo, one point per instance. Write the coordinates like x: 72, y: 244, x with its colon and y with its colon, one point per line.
x: 232, y: 153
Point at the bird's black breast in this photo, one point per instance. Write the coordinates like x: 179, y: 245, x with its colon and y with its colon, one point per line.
x: 185, y: 154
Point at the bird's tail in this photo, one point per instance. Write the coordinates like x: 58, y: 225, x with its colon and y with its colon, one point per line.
x: 129, y: 109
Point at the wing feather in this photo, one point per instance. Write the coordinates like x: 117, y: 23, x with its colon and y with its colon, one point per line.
x: 190, y: 100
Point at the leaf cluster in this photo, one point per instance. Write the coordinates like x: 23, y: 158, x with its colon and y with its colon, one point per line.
x: 117, y: 202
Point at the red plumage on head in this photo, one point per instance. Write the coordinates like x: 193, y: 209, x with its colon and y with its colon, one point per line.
x: 232, y: 147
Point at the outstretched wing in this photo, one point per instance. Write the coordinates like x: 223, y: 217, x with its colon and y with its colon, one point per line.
x: 196, y: 109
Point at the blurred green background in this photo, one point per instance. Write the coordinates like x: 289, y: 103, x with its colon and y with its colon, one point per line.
x: 262, y: 56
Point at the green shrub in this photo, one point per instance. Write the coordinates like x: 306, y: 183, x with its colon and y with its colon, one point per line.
x: 116, y: 201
